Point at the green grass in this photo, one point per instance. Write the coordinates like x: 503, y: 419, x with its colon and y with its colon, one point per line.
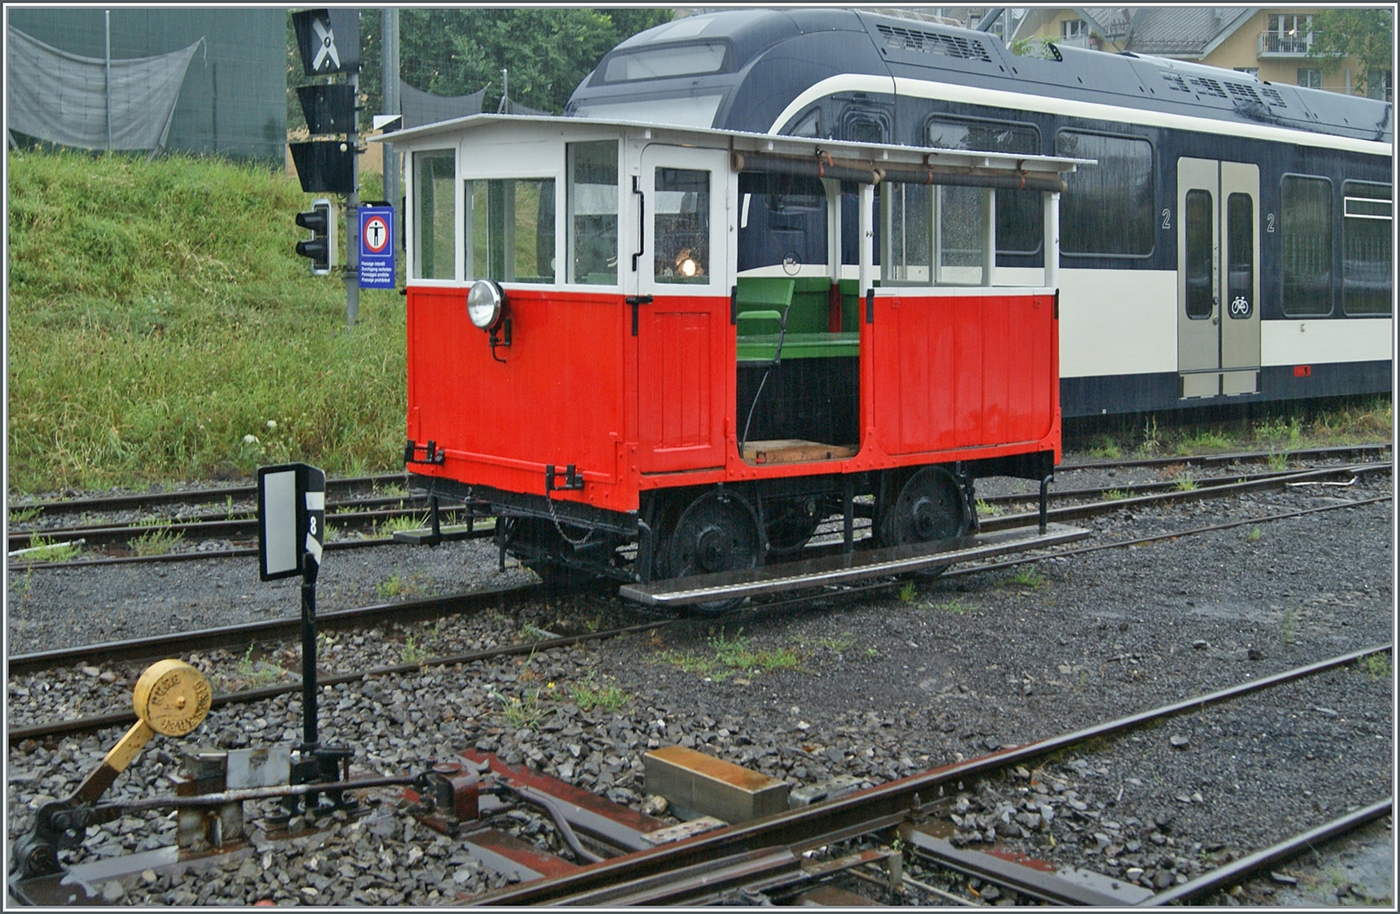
x: 159, y: 540
x: 1025, y: 577
x: 195, y: 344
x: 1378, y: 666
x: 732, y: 655
x: 952, y: 606
x: 589, y: 696
x: 47, y: 550
x: 1287, y: 427
x: 403, y: 522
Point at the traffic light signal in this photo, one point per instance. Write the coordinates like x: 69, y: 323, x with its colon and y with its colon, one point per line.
x: 320, y: 247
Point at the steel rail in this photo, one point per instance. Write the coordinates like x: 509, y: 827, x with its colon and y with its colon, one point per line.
x: 1247, y: 866
x: 241, y: 635
x: 211, y: 528
x: 353, y: 483
x: 1099, y: 508
x: 1207, y: 489
x: 200, y: 496
x: 1171, y: 485
x: 880, y: 807
x: 868, y: 589
x: 1232, y: 457
x: 136, y: 650
x: 125, y: 718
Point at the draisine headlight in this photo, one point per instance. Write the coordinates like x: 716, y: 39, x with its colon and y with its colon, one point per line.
x: 484, y: 303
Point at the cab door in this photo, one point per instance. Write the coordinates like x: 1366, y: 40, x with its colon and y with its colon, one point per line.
x: 681, y: 316
x: 1217, y: 277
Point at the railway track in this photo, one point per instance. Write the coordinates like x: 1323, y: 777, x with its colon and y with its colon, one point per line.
x: 854, y: 860
x: 767, y: 856
x: 810, y: 852
x: 119, y: 540
x: 277, y: 637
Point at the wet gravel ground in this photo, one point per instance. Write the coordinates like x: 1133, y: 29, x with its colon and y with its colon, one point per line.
x: 872, y: 690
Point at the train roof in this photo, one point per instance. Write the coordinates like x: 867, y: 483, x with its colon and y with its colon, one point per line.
x: 742, y: 142
x: 925, y: 50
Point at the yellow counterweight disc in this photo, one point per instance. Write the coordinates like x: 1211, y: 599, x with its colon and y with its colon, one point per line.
x: 172, y: 697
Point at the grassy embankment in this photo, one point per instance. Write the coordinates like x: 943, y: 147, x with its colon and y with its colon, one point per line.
x: 158, y: 317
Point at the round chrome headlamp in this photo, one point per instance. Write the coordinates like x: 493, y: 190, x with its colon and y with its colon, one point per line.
x: 484, y: 303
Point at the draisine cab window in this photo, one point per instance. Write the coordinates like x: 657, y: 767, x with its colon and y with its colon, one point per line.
x: 510, y: 229
x: 435, y: 213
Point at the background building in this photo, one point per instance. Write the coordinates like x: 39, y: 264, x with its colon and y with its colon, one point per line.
x: 234, y: 97
x: 1276, y: 45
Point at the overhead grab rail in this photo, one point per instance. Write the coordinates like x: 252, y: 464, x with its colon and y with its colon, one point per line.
x: 823, y: 166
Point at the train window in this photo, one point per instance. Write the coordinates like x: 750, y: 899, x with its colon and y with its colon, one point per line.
x: 592, y: 202
x: 510, y: 229
x: 1019, y: 215
x: 665, y: 62
x: 434, y: 213
x: 1200, y: 247
x: 1307, y: 245
x: 1367, y: 253
x: 1107, y: 209
x: 1239, y: 216
x: 810, y: 124
x: 860, y: 125
x: 682, y: 218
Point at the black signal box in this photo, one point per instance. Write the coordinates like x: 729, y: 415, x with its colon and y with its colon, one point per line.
x: 329, y: 40
x: 328, y: 108
x: 324, y: 166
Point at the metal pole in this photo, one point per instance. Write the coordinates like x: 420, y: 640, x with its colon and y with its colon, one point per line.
x: 308, y: 654
x: 391, y: 105
x: 352, y: 212
x: 107, y: 71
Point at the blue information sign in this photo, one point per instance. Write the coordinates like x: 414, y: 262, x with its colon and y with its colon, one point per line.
x: 376, y: 247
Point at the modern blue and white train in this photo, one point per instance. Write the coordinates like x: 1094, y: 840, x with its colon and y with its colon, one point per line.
x: 1232, y: 244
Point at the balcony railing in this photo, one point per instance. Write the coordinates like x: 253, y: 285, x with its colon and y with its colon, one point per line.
x: 1272, y: 44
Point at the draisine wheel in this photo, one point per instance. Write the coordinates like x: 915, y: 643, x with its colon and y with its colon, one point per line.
x: 929, y: 508
x: 716, y: 532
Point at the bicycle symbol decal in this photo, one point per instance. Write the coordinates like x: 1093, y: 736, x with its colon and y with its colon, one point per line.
x: 1240, y: 307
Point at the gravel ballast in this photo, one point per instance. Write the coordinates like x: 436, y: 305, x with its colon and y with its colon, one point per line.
x: 872, y: 690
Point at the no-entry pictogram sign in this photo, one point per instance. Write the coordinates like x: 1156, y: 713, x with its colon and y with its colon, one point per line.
x: 377, y: 247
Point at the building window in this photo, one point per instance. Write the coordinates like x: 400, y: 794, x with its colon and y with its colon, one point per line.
x: 1309, y: 78
x: 434, y: 214
x: 1074, y: 28
x: 1107, y: 208
x: 1307, y: 246
x: 1380, y: 84
x: 510, y: 230
x: 1289, y: 33
x: 1367, y: 258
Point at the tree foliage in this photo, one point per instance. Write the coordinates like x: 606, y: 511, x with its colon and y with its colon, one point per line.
x: 1365, y: 34
x: 457, y: 51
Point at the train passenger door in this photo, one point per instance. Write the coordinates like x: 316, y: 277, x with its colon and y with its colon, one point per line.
x: 685, y: 345
x: 1217, y: 277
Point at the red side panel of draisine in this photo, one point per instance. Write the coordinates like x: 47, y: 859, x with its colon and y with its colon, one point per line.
x: 959, y: 372
x: 555, y: 396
